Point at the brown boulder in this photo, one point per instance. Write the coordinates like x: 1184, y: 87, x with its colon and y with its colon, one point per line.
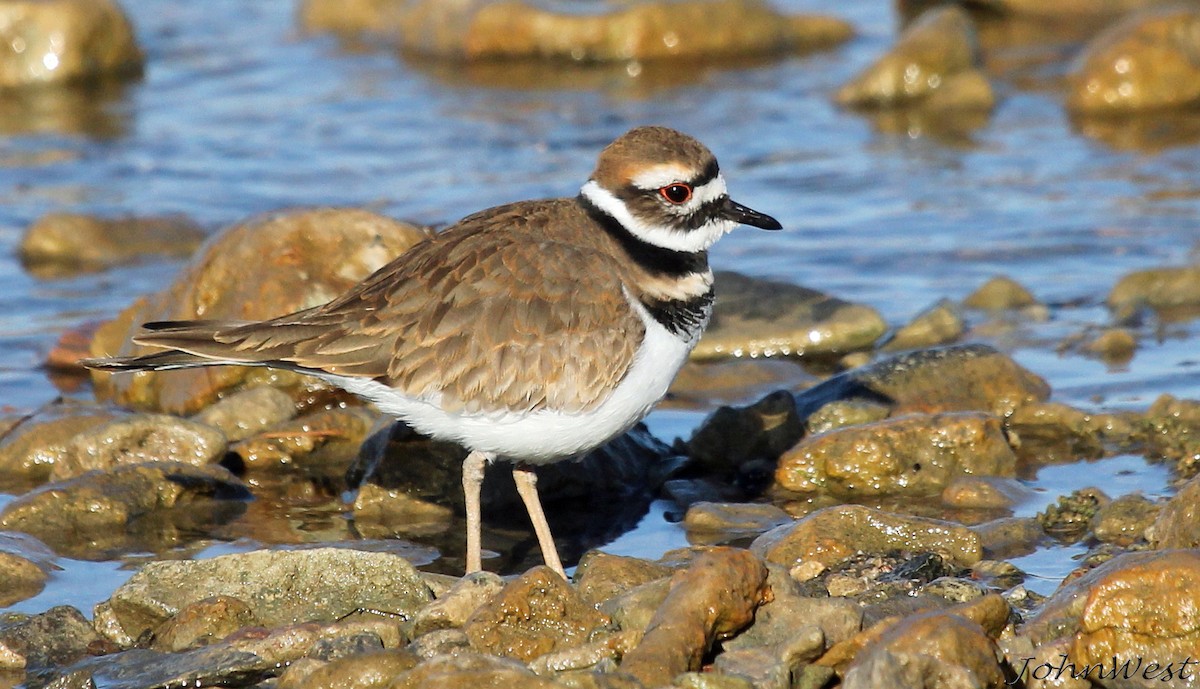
x: 65, y: 41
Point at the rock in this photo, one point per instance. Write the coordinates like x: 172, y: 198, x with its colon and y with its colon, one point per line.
x: 129, y: 506
x: 1173, y: 429
x: 468, y: 670
x: 833, y: 534
x: 985, y: 492
x: 1145, y: 62
x: 762, y: 318
x: 138, y: 439
x: 934, y: 65
x: 600, y: 576
x: 203, y: 622
x: 1124, y: 521
x: 956, y: 378
x: 1177, y: 524
x: 64, y: 41
x: 842, y: 413
x: 453, y: 608
x: 714, y: 597
x: 940, y: 324
x: 299, y: 259
x: 727, y: 521
x: 478, y: 30
x: 1001, y: 293
x: 1113, y: 346
x: 772, y: 667
x: 217, y: 665
x: 1068, y: 10
x: 60, y: 244
x: 776, y: 621
x: 1138, y: 606
x: 248, y: 412
x: 59, y: 636
x: 928, y: 651
x: 534, y: 615
x: 279, y: 586
x: 361, y: 671
x: 908, y: 455
x: 1069, y: 518
x: 1161, y: 289
x: 703, y: 384
x: 734, y: 442
x: 601, y: 653
x: 25, y: 564
x: 1009, y: 536
x: 35, y: 444
x: 327, y: 439
x: 1050, y: 432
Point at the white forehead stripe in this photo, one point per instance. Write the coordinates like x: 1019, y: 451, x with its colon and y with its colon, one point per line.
x: 661, y: 175
x: 663, y: 236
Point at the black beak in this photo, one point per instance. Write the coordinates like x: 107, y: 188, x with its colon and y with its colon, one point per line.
x: 735, y: 211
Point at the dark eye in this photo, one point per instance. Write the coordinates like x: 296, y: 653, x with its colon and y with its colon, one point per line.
x: 676, y: 193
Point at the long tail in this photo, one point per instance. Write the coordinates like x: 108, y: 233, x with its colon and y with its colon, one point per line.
x: 190, y: 344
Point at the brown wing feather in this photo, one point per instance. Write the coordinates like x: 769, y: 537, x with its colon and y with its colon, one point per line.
x: 508, y: 310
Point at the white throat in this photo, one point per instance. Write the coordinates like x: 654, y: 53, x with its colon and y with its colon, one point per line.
x: 664, y: 236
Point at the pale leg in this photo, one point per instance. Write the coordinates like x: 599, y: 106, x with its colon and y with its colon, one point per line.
x: 526, y: 482
x: 472, y: 480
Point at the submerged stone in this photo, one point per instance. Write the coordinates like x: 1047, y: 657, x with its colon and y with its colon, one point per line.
x: 64, y: 243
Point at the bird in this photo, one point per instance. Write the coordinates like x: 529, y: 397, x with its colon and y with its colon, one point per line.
x: 533, y: 332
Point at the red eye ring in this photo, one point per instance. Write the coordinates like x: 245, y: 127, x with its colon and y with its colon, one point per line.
x: 676, y: 193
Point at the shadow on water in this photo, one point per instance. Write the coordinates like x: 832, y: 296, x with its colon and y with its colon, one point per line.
x: 93, y: 110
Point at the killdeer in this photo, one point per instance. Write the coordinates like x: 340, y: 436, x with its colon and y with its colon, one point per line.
x: 534, y: 331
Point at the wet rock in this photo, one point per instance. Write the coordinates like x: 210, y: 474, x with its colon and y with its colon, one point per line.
x: 59, y: 636
x: 762, y: 318
x: 361, y: 671
x: 31, y: 448
x: 1162, y: 289
x: 1113, y: 346
x: 280, y: 586
x: 1077, y: 11
x: 129, y: 504
x: 64, y: 243
x: 328, y: 439
x: 842, y: 413
x: 776, y: 621
x: 833, y: 534
x: 137, y: 439
x: 210, y: 666
x: 933, y: 65
x: 453, y: 608
x: 1177, y: 524
x: 1137, y: 606
x: 571, y: 665
x: 931, y: 651
x: 984, y: 492
x: 1009, y: 536
x: 734, y: 381
x: 956, y: 378
x: 1125, y: 520
x: 1173, y: 429
x: 203, y: 622
x: 64, y: 41
x: 632, y: 609
x: 534, y: 615
x: 1001, y: 293
x: 908, y: 455
x: 25, y: 564
x: 733, y: 441
x: 646, y: 30
x: 297, y: 259
x: 471, y: 670
x: 1050, y: 432
x: 390, y: 512
x: 1147, y: 61
x: 772, y: 667
x: 727, y: 521
x: 714, y: 597
x: 1069, y: 518
x: 600, y: 576
x: 248, y: 412
x: 938, y: 325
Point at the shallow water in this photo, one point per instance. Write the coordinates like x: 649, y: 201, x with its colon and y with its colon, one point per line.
x: 240, y: 113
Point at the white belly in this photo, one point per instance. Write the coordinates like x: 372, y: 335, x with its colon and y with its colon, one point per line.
x: 544, y: 436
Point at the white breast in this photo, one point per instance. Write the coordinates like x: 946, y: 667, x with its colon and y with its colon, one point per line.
x: 545, y: 436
